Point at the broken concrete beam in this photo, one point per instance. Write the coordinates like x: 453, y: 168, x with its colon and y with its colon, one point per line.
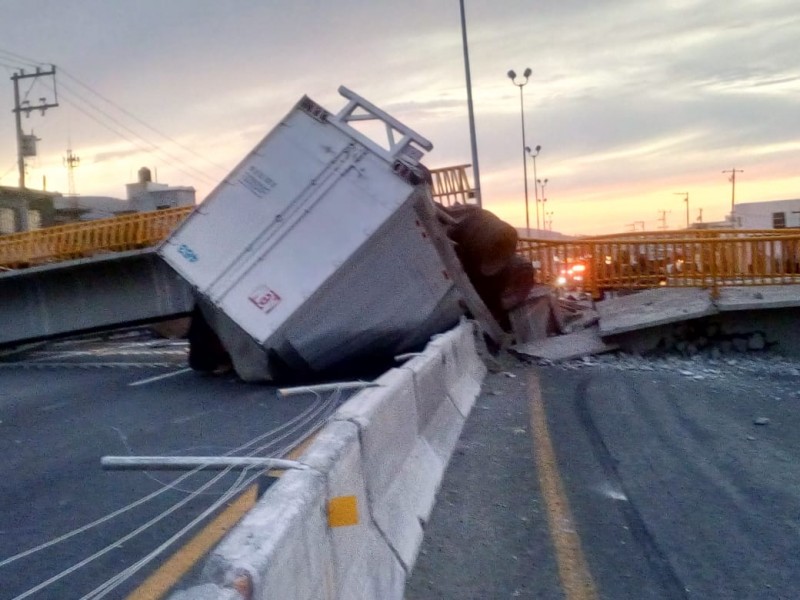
x: 651, y: 308
x: 566, y: 347
x: 534, y: 319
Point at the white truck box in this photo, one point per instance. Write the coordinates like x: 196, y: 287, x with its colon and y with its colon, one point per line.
x: 321, y: 247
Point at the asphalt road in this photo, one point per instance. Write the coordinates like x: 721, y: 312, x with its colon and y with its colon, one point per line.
x: 65, y: 405
x: 680, y: 479
x: 613, y: 479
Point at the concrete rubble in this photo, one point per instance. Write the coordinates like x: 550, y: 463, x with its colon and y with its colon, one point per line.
x: 663, y: 321
x: 566, y: 347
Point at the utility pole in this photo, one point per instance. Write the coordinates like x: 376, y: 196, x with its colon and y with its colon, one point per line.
x: 71, y: 161
x: 732, y: 179
x: 700, y: 216
x: 686, y: 200
x: 663, y: 218
x: 26, y: 144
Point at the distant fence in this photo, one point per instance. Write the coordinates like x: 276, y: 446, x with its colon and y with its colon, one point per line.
x: 671, y: 259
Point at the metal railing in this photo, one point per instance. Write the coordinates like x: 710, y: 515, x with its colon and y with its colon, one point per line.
x: 451, y: 186
x: 76, y: 240
x: 689, y: 234
x: 610, y: 264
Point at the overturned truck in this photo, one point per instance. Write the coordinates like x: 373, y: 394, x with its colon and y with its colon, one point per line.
x: 324, y: 250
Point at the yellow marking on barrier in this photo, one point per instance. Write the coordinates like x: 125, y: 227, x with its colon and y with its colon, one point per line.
x: 342, y: 511
x: 180, y: 563
x: 576, y: 580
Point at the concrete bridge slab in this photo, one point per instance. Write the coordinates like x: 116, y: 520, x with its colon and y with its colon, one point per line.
x: 90, y: 294
x: 758, y: 297
x: 651, y: 308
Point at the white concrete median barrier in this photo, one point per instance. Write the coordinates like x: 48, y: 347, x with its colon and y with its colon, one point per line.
x: 439, y: 423
x: 463, y: 368
x: 282, y: 545
x: 364, y: 564
x: 397, y: 462
x: 349, y: 527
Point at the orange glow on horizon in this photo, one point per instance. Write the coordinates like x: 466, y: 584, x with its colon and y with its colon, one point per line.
x: 588, y: 212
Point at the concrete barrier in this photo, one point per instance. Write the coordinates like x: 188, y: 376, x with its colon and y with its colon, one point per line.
x: 365, y: 566
x: 282, y: 546
x: 394, y: 459
x: 464, y: 369
x: 350, y: 525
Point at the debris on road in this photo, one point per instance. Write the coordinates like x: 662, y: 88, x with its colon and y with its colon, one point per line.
x: 565, y: 347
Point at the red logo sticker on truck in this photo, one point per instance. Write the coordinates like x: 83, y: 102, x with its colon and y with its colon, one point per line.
x: 264, y: 298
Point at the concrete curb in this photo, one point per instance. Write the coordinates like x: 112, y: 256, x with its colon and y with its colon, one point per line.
x: 351, y: 525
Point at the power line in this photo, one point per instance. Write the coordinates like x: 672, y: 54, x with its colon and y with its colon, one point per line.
x: 154, y: 148
x: 25, y: 60
x: 141, y: 122
x: 150, y: 146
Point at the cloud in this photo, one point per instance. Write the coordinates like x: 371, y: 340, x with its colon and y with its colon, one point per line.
x: 115, y: 155
x: 624, y: 94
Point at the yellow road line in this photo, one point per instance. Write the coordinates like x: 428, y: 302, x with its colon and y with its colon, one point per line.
x: 576, y: 580
x: 180, y: 563
x: 184, y: 559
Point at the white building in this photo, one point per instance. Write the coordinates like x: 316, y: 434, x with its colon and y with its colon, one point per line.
x: 143, y: 196
x: 147, y: 195
x: 773, y: 214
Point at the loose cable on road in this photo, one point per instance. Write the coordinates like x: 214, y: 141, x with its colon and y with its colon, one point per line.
x: 315, y: 415
x: 114, y: 582
x: 162, y: 515
x: 169, y: 573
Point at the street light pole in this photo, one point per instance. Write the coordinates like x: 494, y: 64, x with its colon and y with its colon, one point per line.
x: 732, y: 179
x: 513, y: 77
x: 543, y: 183
x: 686, y: 200
x: 476, y: 173
x: 533, y: 155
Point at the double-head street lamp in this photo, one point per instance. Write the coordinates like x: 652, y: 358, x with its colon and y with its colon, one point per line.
x: 533, y: 155
x: 542, y: 183
x: 513, y: 77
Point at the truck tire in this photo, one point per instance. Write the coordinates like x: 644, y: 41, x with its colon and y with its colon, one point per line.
x: 206, y: 353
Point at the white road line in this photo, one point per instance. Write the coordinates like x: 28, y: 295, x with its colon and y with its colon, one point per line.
x: 157, y: 377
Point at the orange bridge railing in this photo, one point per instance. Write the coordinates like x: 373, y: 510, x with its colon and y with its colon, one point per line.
x: 678, y: 259
x: 75, y: 240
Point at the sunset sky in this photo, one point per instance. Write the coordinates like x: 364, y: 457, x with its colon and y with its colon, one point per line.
x: 631, y: 101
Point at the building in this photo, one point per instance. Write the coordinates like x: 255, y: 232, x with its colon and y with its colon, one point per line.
x: 26, y: 209
x: 147, y: 195
x: 773, y: 214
